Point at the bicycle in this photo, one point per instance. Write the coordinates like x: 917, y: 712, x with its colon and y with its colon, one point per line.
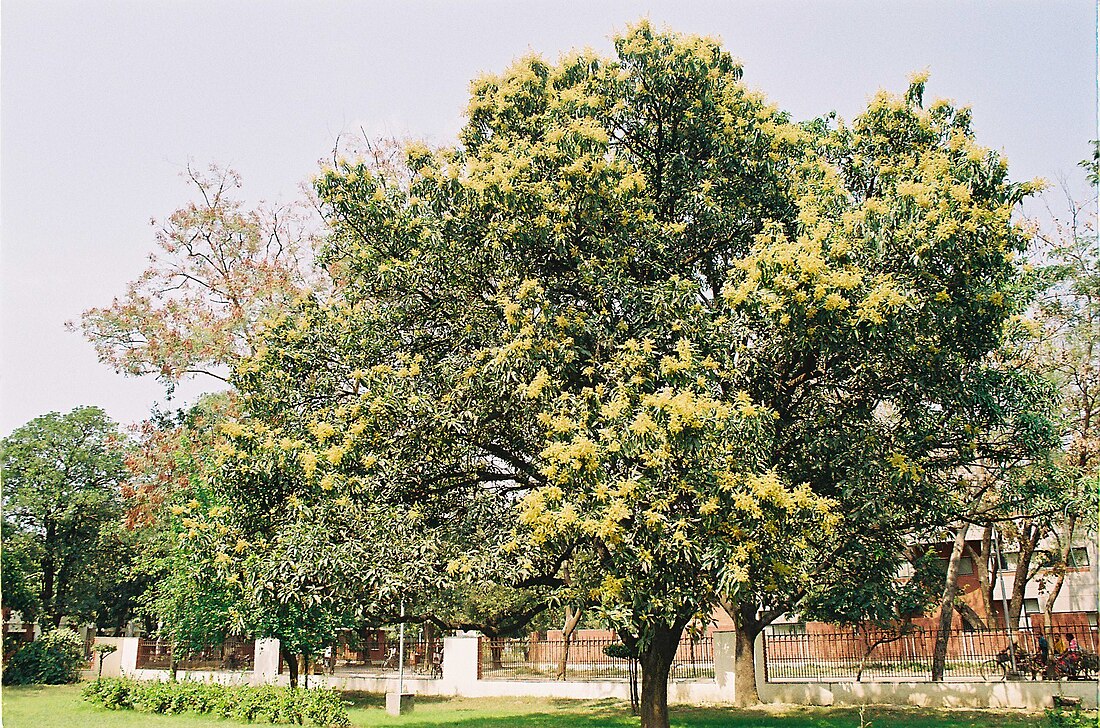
x: 1075, y: 666
x: 999, y: 668
x: 993, y: 670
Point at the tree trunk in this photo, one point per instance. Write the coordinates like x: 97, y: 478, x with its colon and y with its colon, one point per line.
x: 886, y: 637
x: 61, y: 588
x: 1029, y: 539
x: 985, y: 569
x: 572, y: 619
x: 174, y: 661
x: 496, y: 653
x: 1048, y: 607
x: 46, y: 594
x: 747, y: 627
x: 947, y: 605
x: 745, y: 693
x: 291, y: 666
x: 656, y: 660
x: 970, y: 618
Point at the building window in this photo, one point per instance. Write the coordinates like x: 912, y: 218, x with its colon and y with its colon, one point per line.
x: 1078, y: 557
x: 966, y: 565
x: 796, y: 628
x: 1010, y: 559
x: 1031, y: 606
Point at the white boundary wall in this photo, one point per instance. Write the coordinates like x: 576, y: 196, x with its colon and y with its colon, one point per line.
x: 460, y: 679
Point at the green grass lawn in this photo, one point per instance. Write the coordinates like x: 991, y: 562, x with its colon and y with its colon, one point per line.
x: 62, y: 707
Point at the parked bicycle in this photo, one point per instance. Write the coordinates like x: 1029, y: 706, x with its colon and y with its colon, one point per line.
x: 1026, y: 663
x: 1069, y: 665
x: 1075, y: 665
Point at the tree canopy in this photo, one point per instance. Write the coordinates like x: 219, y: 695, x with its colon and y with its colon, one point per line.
x: 62, y: 477
x: 220, y: 267
x: 641, y: 323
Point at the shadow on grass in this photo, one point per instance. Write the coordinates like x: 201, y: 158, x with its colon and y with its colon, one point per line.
x: 360, y: 699
x: 611, y: 713
x: 527, y: 720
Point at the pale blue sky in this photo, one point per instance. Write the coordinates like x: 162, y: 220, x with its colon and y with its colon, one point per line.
x: 103, y: 103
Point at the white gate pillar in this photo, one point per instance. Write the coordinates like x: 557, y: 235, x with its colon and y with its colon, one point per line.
x: 460, y: 665
x: 265, y: 662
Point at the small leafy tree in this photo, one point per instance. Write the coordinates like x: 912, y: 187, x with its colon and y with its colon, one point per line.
x: 102, y: 650
x: 168, y: 489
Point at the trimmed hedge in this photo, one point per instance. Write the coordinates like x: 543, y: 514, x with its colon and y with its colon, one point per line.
x: 265, y: 703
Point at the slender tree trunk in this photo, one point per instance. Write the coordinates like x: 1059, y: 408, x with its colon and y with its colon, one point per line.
x: 291, y: 666
x: 46, y: 595
x: 1056, y: 588
x: 496, y: 653
x: 61, y: 592
x: 173, y: 660
x: 1029, y: 539
x: 572, y: 619
x: 986, y: 571
x: 886, y: 638
x: 656, y: 661
x: 635, y: 702
x: 947, y: 605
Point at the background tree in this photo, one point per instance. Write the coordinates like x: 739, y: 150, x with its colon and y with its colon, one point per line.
x: 168, y: 482
x: 19, y: 558
x: 62, y: 475
x: 1067, y: 347
x: 220, y: 269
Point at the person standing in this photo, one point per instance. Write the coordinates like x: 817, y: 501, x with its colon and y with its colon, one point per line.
x: 1044, y: 657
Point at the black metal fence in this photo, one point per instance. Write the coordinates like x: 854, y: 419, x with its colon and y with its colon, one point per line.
x: 379, y: 654
x: 907, y: 655
x: 532, y: 658
x: 236, y: 653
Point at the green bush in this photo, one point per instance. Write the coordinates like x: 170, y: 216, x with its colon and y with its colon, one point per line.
x: 1072, y: 718
x: 54, y: 659
x: 266, y: 703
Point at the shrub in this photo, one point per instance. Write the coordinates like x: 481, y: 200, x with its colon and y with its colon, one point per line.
x: 267, y: 703
x: 115, y: 694
x: 55, y: 659
x: 1073, y: 718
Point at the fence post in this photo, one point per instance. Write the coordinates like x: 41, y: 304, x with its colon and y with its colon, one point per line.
x: 460, y: 673
x: 127, y: 655
x: 265, y: 661
x: 760, y: 660
x: 725, y: 646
